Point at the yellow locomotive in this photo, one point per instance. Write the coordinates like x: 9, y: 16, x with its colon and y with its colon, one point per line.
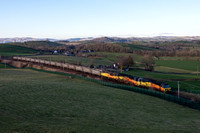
x: 138, y: 81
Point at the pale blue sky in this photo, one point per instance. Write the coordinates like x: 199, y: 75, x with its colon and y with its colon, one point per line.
x: 82, y: 18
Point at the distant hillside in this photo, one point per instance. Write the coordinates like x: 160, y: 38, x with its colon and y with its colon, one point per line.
x: 145, y: 39
x: 22, y: 39
x: 137, y: 47
x: 167, y: 38
x: 39, y: 45
x: 74, y: 41
x: 109, y: 40
x: 103, y: 39
x: 11, y: 50
x: 79, y: 39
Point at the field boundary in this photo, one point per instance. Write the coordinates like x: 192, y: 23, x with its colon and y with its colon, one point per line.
x: 183, y: 70
x: 167, y: 97
x: 7, y: 65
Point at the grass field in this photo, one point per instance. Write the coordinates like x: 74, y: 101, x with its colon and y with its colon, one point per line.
x: 102, y: 58
x: 3, y: 65
x: 12, y: 50
x: 189, y: 86
x: 161, y: 75
x: 137, y: 47
x: 33, y: 101
x: 75, y: 59
x: 180, y: 64
x: 178, y: 58
x: 164, y: 64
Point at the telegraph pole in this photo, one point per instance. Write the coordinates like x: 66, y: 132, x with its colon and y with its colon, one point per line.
x: 63, y: 65
x: 178, y: 90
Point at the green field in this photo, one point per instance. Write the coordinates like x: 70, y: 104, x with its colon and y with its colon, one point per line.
x: 77, y: 60
x: 178, y: 58
x: 188, y: 86
x: 12, y: 50
x: 191, y: 66
x: 137, y: 47
x: 3, y: 65
x: 32, y: 101
x: 160, y: 75
x: 101, y: 58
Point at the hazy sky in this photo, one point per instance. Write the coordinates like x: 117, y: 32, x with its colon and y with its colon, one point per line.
x: 82, y: 18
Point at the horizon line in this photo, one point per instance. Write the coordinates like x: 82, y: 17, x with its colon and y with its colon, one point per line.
x: 134, y: 36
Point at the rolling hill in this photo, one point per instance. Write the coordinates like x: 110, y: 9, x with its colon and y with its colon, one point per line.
x: 10, y: 50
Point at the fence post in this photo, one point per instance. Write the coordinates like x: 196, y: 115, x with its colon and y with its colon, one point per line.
x: 178, y: 90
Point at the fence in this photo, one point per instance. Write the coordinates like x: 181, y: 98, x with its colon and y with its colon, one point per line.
x: 186, y: 87
x: 168, y: 97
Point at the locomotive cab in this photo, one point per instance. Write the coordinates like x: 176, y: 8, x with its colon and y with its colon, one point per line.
x: 166, y: 87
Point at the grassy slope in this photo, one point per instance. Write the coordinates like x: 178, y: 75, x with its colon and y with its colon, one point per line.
x: 37, y: 44
x: 161, y: 75
x: 103, y: 58
x: 3, y: 65
x: 180, y: 64
x: 10, y: 50
x: 73, y: 59
x: 137, y: 47
x: 42, y: 102
x: 189, y: 86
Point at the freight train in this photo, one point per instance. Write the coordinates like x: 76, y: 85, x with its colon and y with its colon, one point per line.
x: 123, y: 78
x: 83, y: 69
x: 138, y: 81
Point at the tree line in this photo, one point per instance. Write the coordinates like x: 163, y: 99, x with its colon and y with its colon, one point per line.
x: 104, y: 47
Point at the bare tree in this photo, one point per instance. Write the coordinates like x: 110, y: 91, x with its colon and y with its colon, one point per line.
x: 126, y: 62
x: 148, y: 63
